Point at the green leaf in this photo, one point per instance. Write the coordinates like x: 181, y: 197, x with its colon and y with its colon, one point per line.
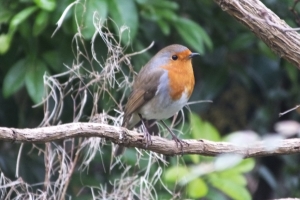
x: 214, y: 194
x: 14, y: 79
x: 91, y: 8
x: 25, y: 30
x: 230, y: 188
x: 5, y: 41
x: 292, y: 72
x: 245, y: 166
x: 266, y: 50
x: 52, y: 59
x: 164, y: 26
x: 40, y: 23
x: 5, y: 14
x: 164, y: 4
x: 197, y: 188
x: 124, y: 13
x: 193, y: 34
x: 158, y: 4
x: 175, y: 173
x: 202, y: 129
x: 48, y: 5
x: 237, y: 178
x: 194, y: 158
x: 21, y: 16
x: 149, y: 14
x: 242, y: 41
x: 166, y: 14
x: 227, y: 161
x: 34, y: 80
x: 268, y: 176
x: 142, y: 2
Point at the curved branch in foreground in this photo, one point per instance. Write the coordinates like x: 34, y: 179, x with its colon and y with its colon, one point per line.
x: 266, y: 25
x: 134, y: 139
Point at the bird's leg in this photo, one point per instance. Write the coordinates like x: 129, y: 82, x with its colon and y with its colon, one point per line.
x: 151, y: 125
x: 174, y: 137
x: 147, y: 135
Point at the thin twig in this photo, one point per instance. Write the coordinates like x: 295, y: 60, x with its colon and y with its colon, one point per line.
x: 285, y: 112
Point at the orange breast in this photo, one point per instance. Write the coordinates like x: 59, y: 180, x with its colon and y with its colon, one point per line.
x: 181, y: 78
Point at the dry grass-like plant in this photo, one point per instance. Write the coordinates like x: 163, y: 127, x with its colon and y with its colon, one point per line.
x: 91, y: 78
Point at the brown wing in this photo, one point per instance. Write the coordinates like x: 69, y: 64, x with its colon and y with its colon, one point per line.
x: 144, y: 89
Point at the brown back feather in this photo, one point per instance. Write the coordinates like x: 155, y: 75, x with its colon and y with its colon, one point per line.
x: 144, y: 89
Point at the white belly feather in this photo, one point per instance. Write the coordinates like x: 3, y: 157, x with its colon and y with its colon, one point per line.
x: 163, y: 107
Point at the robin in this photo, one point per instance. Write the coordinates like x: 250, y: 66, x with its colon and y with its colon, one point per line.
x: 160, y: 90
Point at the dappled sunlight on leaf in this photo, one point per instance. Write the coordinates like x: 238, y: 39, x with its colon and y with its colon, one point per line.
x: 226, y: 161
x: 287, y: 128
x: 272, y: 142
x: 242, y: 138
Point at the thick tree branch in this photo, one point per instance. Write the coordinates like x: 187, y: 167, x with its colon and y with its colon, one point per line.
x: 134, y: 139
x: 266, y: 25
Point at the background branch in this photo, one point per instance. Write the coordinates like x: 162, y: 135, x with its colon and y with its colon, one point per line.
x: 159, y: 145
x: 265, y: 24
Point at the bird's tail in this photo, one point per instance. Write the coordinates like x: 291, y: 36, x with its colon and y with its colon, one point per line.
x: 129, y: 122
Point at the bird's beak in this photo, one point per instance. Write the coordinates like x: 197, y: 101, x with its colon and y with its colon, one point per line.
x: 193, y: 55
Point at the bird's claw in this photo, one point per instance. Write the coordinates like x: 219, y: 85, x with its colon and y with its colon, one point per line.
x: 147, y: 138
x: 179, y: 142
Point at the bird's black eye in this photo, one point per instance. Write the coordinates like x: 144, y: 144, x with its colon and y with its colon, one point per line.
x: 174, y: 57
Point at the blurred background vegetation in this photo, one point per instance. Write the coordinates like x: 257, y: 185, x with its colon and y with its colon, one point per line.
x: 248, y: 84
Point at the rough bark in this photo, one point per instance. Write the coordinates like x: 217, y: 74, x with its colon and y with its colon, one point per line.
x: 134, y: 139
x: 265, y: 24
